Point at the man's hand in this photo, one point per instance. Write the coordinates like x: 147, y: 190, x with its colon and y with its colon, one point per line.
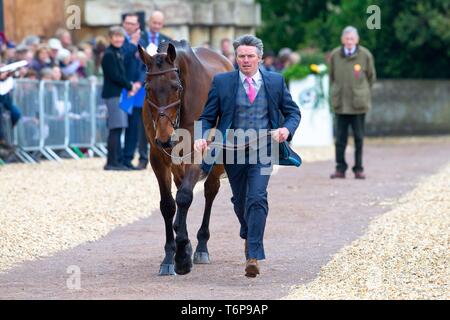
x: 135, y: 37
x: 200, y: 145
x: 280, y: 135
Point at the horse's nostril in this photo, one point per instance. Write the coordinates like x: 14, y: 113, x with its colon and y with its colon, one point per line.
x: 167, y: 144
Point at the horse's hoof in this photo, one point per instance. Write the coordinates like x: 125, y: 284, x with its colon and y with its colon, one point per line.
x: 167, y: 270
x: 201, y: 258
x: 183, y: 259
x: 184, y: 267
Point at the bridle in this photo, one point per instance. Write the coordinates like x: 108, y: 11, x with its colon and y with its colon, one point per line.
x: 162, y: 109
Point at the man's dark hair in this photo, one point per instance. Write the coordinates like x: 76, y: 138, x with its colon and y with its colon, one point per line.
x: 130, y: 14
x: 249, y: 40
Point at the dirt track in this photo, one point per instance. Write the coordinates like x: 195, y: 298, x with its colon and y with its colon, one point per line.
x: 310, y: 219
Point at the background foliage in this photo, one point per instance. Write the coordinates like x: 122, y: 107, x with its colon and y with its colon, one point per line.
x: 413, y: 42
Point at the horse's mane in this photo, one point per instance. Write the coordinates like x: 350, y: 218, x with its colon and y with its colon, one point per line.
x: 181, y: 45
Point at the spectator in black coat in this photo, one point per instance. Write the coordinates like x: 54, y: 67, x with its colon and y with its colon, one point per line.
x: 115, y: 80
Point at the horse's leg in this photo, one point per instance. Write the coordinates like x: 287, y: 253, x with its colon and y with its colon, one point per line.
x: 167, y: 207
x: 183, y: 254
x: 212, y: 185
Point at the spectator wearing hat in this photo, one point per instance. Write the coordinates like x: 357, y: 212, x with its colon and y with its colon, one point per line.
x: 23, y: 53
x: 68, y: 65
x: 10, y: 53
x: 32, y: 42
x: 54, y: 46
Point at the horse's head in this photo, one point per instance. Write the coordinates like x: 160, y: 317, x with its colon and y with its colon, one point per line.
x: 163, y: 93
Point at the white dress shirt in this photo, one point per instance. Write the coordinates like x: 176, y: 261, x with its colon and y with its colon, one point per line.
x: 350, y: 52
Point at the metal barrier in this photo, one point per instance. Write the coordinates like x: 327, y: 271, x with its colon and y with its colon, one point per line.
x: 58, y: 116
x: 82, y: 115
x: 31, y: 131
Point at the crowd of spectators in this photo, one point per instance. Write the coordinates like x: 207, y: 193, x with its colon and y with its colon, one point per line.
x: 58, y: 58
x: 55, y: 58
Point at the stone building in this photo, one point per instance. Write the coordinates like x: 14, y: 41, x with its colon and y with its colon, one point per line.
x: 198, y: 21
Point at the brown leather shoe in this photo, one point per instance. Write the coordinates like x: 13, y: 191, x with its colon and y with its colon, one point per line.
x: 360, y: 175
x: 252, y: 268
x: 338, y: 175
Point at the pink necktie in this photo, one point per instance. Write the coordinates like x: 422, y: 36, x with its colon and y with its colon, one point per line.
x: 251, y: 90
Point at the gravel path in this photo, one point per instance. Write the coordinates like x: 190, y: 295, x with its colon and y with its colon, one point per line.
x: 404, y: 254
x: 311, y: 218
x: 50, y: 207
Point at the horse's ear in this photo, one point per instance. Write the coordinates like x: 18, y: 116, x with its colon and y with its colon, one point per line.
x: 145, y: 57
x: 171, y: 53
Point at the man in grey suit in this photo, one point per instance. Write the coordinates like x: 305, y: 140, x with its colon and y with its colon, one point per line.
x: 251, y: 99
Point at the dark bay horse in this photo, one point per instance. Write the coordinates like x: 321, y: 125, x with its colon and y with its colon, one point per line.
x: 177, y: 86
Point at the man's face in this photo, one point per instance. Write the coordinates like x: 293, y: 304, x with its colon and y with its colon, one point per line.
x: 131, y: 24
x: 66, y: 39
x: 247, y: 59
x: 53, y: 53
x: 226, y: 46
x: 350, y: 40
x: 10, y: 53
x: 156, y: 23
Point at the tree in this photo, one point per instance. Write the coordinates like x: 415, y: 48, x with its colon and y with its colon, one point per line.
x: 413, y: 42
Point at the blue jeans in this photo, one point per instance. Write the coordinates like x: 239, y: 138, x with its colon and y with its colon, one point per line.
x: 8, y: 104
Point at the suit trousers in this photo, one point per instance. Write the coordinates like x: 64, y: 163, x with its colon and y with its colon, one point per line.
x: 249, y: 186
x: 343, y: 122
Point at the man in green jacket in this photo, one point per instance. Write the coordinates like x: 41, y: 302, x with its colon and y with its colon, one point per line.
x: 352, y: 74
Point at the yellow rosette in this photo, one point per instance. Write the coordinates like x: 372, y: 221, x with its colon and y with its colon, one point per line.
x: 314, y: 68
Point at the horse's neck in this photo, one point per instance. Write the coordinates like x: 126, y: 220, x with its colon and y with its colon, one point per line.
x: 191, y: 71
x: 190, y: 65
